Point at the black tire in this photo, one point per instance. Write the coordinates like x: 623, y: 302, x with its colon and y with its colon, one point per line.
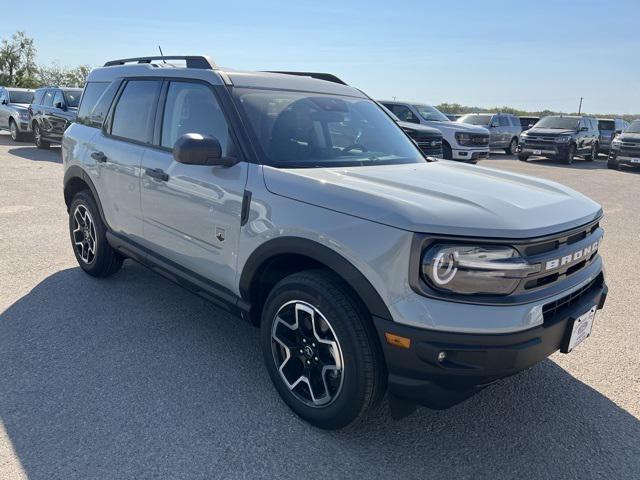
x: 447, y: 153
x: 593, y: 153
x: 16, y: 136
x: 522, y: 157
x: 613, y: 165
x: 363, y: 378
x: 513, y: 146
x: 37, y: 137
x: 104, y: 260
x: 568, y: 158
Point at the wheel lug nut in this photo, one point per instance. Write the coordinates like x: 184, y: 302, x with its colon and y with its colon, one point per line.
x: 315, y: 358
x: 308, y: 362
x: 301, y: 351
x: 304, y: 340
x: 313, y: 344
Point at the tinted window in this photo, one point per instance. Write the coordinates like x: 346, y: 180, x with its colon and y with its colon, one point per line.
x: 404, y: 113
x: 503, y: 121
x: 92, y: 93
x: 475, y: 119
x: 37, y: 97
x: 58, y: 99
x: 48, y: 98
x: 133, y: 115
x: 72, y: 97
x: 20, y: 96
x: 634, y: 127
x: 193, y: 108
x: 307, y: 130
x: 558, y: 123
x: 430, y: 113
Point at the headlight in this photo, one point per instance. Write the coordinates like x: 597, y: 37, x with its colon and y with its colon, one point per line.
x: 616, y: 142
x: 524, y: 135
x: 563, y: 138
x: 474, y: 269
x: 463, y: 137
x: 24, y: 115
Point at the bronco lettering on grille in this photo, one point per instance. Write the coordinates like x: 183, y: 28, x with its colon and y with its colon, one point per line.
x: 572, y: 257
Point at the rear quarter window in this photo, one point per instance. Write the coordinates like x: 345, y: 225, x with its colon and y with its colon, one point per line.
x: 37, y: 96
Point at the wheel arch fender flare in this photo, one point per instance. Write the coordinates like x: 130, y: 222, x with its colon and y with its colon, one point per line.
x: 74, y: 174
x: 321, y: 254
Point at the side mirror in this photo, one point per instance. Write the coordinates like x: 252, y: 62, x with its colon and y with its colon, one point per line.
x: 4, y: 101
x: 60, y: 105
x: 197, y: 149
x: 583, y: 129
x: 494, y: 125
x: 617, y: 132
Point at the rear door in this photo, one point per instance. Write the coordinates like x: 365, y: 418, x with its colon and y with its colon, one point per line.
x: 192, y: 213
x: 4, y: 115
x: 56, y: 117
x: 117, y: 153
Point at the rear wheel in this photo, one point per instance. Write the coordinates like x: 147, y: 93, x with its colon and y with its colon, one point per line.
x: 513, y: 146
x: 593, y: 153
x: 88, y: 238
x: 447, y: 153
x: 613, y: 165
x: 568, y: 158
x: 320, y: 351
x: 37, y: 137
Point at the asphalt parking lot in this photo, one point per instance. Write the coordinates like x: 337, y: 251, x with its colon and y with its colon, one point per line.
x: 133, y: 377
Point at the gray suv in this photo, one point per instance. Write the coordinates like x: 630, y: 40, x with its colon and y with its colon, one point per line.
x: 504, y: 129
x: 13, y: 111
x: 301, y: 205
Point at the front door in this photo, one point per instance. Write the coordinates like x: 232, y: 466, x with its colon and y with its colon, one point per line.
x: 192, y: 213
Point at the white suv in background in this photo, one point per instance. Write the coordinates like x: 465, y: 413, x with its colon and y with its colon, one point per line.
x: 461, y: 141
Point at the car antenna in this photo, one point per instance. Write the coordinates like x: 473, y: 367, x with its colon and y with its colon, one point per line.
x: 161, y: 54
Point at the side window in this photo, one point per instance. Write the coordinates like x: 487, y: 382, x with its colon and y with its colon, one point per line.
x: 48, y: 98
x: 404, y: 113
x: 503, y: 120
x: 133, y: 116
x: 58, y: 99
x: 515, y: 121
x: 95, y: 104
x: 193, y: 108
x: 1, y: 95
x: 38, y: 96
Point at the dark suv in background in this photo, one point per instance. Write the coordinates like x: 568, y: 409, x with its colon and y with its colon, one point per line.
x: 504, y: 129
x: 609, y: 128
x: 561, y: 137
x: 52, y: 111
x: 625, y: 148
x: 528, y: 122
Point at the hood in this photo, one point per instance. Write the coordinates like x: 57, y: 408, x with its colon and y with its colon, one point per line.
x: 440, y: 197
x: 458, y: 127
x: 19, y: 106
x: 630, y: 137
x: 422, y: 129
x: 549, y: 132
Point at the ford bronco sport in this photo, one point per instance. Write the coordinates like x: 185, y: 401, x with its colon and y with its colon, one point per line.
x: 300, y: 204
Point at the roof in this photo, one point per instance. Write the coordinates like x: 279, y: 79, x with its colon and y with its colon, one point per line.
x: 203, y: 68
x: 18, y: 89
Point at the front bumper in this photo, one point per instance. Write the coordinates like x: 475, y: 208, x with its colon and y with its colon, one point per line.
x: 624, y: 158
x: 469, y: 155
x: 472, y: 361
x: 547, y: 150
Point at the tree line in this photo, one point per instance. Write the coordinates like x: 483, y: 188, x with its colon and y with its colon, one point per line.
x: 18, y: 67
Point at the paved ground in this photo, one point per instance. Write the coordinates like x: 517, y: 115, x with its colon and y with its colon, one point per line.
x: 133, y: 377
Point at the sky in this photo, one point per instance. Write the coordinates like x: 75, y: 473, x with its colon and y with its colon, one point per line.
x: 528, y: 54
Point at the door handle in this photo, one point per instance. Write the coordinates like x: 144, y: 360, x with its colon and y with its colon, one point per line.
x: 157, y: 173
x: 99, y: 157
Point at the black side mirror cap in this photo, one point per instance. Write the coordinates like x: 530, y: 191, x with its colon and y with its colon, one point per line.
x: 60, y: 105
x: 198, y: 149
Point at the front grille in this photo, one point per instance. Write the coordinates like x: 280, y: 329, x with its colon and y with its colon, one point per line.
x: 476, y: 140
x: 631, y: 149
x: 572, y: 251
x: 539, y: 142
x: 433, y: 147
x: 551, y: 310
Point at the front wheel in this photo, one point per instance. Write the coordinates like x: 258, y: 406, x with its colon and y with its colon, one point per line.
x: 88, y: 238
x: 320, y: 350
x: 447, y: 153
x: 593, y: 153
x: 568, y: 158
x: 16, y: 136
x: 513, y: 146
x: 613, y: 165
x: 522, y: 157
x: 37, y: 137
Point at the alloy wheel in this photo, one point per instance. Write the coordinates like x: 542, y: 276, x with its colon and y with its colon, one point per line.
x: 13, y: 130
x: 307, y: 353
x: 37, y: 135
x: 84, y: 234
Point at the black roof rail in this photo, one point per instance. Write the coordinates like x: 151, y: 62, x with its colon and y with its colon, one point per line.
x: 193, y: 61
x: 329, y: 77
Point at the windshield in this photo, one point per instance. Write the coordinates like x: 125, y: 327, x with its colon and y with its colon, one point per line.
x: 606, y: 125
x: 431, y: 114
x: 19, y: 96
x: 305, y: 130
x: 558, y: 123
x: 72, y: 97
x: 475, y: 119
x: 634, y: 127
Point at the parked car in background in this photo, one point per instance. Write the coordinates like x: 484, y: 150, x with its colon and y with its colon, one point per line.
x: 453, y: 116
x: 428, y: 139
x: 468, y: 143
x: 14, y: 116
x: 625, y: 148
x: 609, y: 128
x: 527, y: 122
x: 561, y: 137
x: 52, y: 111
x: 504, y: 129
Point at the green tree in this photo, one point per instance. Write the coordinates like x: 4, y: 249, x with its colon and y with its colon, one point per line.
x: 62, y: 76
x: 17, y: 61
